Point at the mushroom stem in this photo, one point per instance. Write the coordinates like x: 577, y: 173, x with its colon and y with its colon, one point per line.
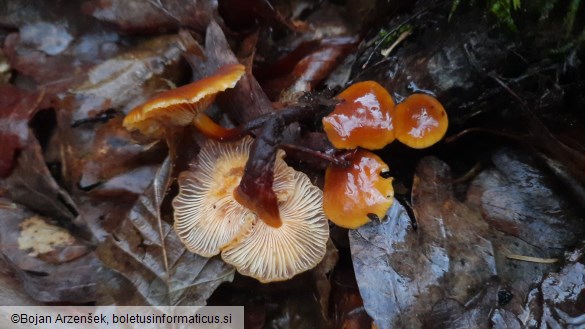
x: 255, y: 190
x: 213, y: 130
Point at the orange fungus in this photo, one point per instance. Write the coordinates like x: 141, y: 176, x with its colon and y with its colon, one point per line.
x: 180, y: 106
x: 361, y: 192
x: 421, y: 121
x: 363, y: 118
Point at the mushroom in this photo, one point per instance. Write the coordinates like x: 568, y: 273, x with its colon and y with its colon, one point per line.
x: 181, y: 106
x: 208, y: 219
x: 356, y: 194
x: 420, y: 121
x: 207, y: 216
x: 363, y: 118
x: 299, y: 244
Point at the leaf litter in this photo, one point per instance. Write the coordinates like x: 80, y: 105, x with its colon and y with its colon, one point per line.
x: 85, y: 179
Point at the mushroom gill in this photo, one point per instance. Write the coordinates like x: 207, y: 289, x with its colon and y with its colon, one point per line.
x: 276, y: 254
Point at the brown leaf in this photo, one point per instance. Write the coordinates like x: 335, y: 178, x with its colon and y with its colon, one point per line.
x: 128, y: 79
x: 17, y: 107
x: 32, y: 185
x: 146, y: 251
x: 517, y: 198
x: 246, y: 100
x: 321, y: 276
x: 50, y: 263
x: 404, y: 274
x: 137, y: 16
x: 311, y: 69
x: 558, y: 302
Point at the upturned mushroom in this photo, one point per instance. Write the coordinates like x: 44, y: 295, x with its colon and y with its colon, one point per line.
x: 364, y: 117
x: 209, y: 220
x: 421, y: 121
x: 359, y: 193
x: 276, y: 254
x: 181, y: 106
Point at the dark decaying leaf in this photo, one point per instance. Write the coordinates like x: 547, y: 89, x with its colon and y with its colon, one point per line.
x: 450, y: 272
x: 152, y: 16
x: 347, y: 306
x: 242, y: 15
x: 44, y: 256
x: 141, y: 72
x: 31, y: 177
x: 58, y: 70
x: 310, y: 70
x: 321, y: 275
x: 118, y: 167
x: 518, y: 199
x: 11, y: 292
x: 17, y: 107
x: 559, y: 301
x: 402, y: 273
x: 246, y: 100
x: 147, y: 252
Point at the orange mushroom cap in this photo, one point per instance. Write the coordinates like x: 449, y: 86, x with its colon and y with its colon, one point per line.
x: 354, y: 195
x: 180, y: 106
x: 363, y: 118
x: 420, y: 121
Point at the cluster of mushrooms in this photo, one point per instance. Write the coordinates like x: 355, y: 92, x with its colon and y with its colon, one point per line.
x: 368, y: 118
x: 273, y: 227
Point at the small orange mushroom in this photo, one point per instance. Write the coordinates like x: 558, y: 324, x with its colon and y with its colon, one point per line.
x: 181, y: 106
x: 363, y: 118
x: 361, y: 192
x: 420, y: 121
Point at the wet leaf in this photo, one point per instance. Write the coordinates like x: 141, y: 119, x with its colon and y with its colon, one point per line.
x: 454, y: 268
x: 246, y: 100
x: 147, y: 252
x: 559, y: 300
x: 117, y: 166
x: 17, y: 107
x: 347, y: 307
x: 31, y: 177
x: 139, y: 72
x: 321, y: 275
x: 518, y: 199
x: 51, y: 269
x: 404, y: 274
x: 137, y: 16
x: 311, y: 69
x: 59, y: 69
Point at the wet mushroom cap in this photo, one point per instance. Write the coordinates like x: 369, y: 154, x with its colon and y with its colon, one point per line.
x: 363, y: 118
x: 206, y: 215
x: 420, y: 121
x: 181, y: 105
x: 355, y: 195
x: 275, y: 254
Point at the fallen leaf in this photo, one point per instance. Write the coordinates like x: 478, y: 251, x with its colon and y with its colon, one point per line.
x: 146, y: 251
x: 246, y: 100
x: 517, y: 198
x: 17, y: 108
x: 31, y: 177
x: 404, y: 274
x: 559, y: 301
x: 51, y: 269
x: 137, y: 16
